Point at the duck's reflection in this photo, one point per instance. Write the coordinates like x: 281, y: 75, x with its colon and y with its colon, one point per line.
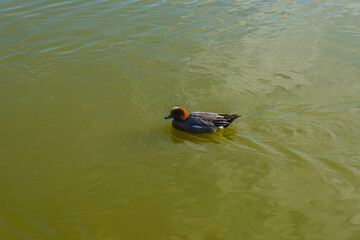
x: 220, y: 136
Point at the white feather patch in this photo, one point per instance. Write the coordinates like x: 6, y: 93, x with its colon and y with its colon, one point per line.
x: 197, y: 126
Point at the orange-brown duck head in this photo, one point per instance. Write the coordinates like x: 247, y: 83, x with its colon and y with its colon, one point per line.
x: 178, y: 113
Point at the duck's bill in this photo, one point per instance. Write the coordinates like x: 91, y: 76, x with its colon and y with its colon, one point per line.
x: 168, y: 116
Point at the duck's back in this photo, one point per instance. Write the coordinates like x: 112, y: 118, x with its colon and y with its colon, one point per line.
x: 217, y: 119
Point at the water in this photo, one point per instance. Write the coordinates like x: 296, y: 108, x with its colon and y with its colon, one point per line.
x: 86, y: 153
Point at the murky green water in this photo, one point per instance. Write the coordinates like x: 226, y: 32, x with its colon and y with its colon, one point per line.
x: 85, y: 151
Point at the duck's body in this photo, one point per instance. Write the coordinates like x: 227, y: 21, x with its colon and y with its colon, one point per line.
x: 200, y: 122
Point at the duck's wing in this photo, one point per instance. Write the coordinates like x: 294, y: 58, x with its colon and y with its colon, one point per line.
x: 215, y: 119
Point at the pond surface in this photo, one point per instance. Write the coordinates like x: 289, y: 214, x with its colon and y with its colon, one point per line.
x: 86, y: 152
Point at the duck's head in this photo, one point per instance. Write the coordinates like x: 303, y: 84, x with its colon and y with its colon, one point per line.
x: 178, y: 113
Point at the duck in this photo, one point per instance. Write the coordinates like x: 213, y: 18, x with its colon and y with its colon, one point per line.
x: 199, y: 122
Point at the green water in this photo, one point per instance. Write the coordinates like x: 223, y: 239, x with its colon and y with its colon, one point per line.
x: 85, y: 152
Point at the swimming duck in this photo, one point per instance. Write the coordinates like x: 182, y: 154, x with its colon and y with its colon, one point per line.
x: 199, y: 122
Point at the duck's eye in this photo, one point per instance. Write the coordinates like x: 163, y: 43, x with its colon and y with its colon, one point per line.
x: 176, y: 112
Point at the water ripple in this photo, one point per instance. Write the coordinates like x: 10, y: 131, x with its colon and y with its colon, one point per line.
x: 85, y: 148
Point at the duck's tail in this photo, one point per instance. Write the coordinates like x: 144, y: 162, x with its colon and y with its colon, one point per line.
x: 230, y: 118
